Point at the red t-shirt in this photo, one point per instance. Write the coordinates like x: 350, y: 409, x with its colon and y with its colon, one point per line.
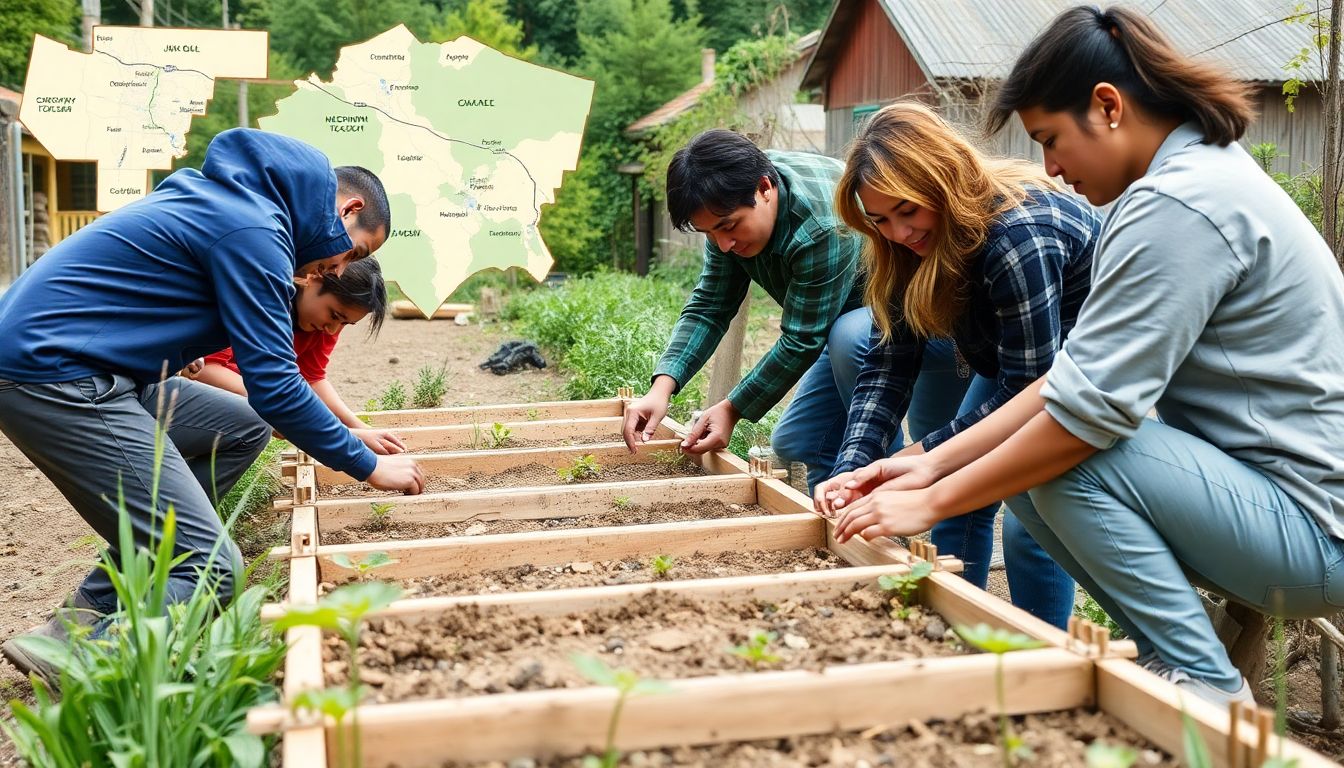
x: 312, y: 348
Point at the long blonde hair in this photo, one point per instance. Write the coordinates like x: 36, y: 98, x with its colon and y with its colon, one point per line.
x: 908, y: 152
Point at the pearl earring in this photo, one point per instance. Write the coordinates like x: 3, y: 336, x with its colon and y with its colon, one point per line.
x: 1114, y: 126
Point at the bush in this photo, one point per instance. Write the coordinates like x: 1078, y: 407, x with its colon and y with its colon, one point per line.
x: 607, y: 331
x: 393, y: 398
x: 430, y: 387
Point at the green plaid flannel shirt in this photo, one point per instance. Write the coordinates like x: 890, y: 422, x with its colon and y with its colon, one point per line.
x: 809, y: 266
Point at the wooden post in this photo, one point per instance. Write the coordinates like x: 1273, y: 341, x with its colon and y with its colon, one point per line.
x: 727, y: 369
x: 1330, y: 718
x: 1245, y: 632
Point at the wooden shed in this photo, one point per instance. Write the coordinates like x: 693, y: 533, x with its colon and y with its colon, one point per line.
x: 950, y: 53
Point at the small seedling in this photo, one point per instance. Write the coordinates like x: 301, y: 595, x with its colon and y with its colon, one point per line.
x: 998, y: 642
x: 343, y: 612
x: 627, y: 684
x: 380, y: 514
x: 430, y: 387
x: 372, y: 404
x: 662, y: 565
x: 393, y: 398
x: 335, y: 703
x: 756, y: 651
x: 366, y: 418
x: 363, y: 567
x: 669, y: 458
x: 622, y: 502
x: 1101, y: 755
x: 499, y: 435
x: 581, y: 468
x: 533, y: 414
x: 904, y: 585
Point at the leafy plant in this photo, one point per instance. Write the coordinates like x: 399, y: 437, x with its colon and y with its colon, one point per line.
x: 1101, y: 755
x: 343, y: 611
x: 998, y: 642
x: 335, y: 703
x: 905, y: 585
x: 583, y: 467
x: 1091, y: 610
x: 363, y: 567
x: 622, y: 502
x: 533, y: 414
x: 158, y: 682
x: 372, y: 404
x: 499, y: 435
x: 380, y: 514
x: 627, y: 684
x: 756, y: 651
x: 393, y: 398
x: 430, y: 387
x: 661, y: 565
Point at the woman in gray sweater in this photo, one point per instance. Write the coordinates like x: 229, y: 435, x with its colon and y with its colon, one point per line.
x: 1215, y: 302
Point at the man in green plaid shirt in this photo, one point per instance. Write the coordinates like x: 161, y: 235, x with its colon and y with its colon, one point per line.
x: 768, y: 217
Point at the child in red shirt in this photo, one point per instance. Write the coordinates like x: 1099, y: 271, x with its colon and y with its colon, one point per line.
x: 323, y: 306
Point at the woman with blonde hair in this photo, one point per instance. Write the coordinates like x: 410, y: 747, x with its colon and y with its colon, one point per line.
x: 983, y: 260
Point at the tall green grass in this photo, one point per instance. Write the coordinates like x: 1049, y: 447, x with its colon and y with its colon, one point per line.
x: 606, y: 331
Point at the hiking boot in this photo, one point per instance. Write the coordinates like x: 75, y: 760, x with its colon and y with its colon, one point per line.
x: 1204, y: 690
x: 75, y: 612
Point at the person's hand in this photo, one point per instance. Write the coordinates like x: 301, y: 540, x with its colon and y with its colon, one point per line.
x: 898, y: 473
x: 886, y: 513
x: 193, y: 369
x: 381, y: 441
x: 643, y: 416
x: 397, y: 473
x: 714, y: 429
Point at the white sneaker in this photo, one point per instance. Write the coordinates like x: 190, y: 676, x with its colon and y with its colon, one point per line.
x: 1206, y: 691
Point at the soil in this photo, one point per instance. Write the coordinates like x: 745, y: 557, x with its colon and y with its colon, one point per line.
x: 630, y: 571
x: 467, y: 651
x: 521, y: 477
x: 641, y: 514
x: 1056, y: 740
x: 530, y: 442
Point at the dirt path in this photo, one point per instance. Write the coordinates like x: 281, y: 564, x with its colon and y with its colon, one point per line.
x: 45, y: 548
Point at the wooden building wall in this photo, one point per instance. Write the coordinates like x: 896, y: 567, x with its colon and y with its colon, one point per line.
x: 874, y: 65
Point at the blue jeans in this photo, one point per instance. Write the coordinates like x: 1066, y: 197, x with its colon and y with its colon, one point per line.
x: 1137, y: 523
x: 813, y: 428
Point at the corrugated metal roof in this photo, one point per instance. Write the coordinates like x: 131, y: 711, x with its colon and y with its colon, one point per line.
x: 955, y: 39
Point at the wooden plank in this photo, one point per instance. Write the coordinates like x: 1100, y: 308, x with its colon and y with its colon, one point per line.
x: 713, y: 709
x: 462, y: 463
x: 304, y: 748
x: 536, y: 503
x: 465, y: 437
x: 1152, y: 706
x: 771, y: 587
x: 303, y: 538
x: 562, y: 409
x: 473, y: 554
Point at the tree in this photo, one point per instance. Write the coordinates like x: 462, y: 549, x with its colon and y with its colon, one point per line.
x: 734, y: 20
x: 552, y: 26
x: 57, y: 19
x: 311, y: 33
x: 1324, y: 51
x: 486, y: 21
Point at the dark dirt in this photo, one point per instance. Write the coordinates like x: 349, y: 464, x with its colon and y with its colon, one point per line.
x: 525, y: 476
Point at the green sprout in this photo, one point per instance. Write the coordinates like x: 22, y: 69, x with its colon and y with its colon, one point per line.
x: 430, y: 387
x: 343, y: 611
x: 371, y: 405
x: 627, y: 684
x: 661, y: 565
x: 669, y: 458
x: 1101, y: 755
x: 363, y: 567
x: 905, y: 585
x: 621, y: 502
x: 533, y: 414
x: 582, y: 467
x: 335, y: 703
x: 499, y: 435
x: 756, y: 651
x: 380, y: 514
x: 366, y: 418
x: 998, y: 642
x: 393, y: 398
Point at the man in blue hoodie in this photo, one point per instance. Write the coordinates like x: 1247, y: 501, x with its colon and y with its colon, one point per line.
x: 206, y: 261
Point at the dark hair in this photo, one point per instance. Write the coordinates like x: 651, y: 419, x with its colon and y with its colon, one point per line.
x: 718, y: 171
x: 360, y: 285
x: 1084, y: 46
x: 376, y: 213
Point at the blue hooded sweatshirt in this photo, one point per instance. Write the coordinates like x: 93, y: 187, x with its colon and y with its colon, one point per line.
x: 205, y: 261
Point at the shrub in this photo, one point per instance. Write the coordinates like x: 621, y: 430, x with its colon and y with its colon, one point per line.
x: 430, y: 387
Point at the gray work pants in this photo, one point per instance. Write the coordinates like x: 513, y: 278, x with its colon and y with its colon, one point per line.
x: 94, y: 438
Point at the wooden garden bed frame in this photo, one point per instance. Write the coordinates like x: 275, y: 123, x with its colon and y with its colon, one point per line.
x: 1078, y: 668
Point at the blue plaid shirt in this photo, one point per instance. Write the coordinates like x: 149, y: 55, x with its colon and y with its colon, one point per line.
x: 1027, y: 284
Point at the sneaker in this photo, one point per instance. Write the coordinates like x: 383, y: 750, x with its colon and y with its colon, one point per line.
x: 75, y: 612
x: 1206, y: 691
